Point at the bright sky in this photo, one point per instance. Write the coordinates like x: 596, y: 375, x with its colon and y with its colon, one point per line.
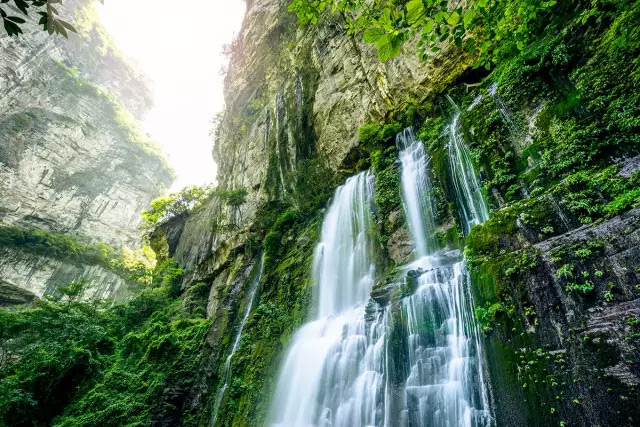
x: 179, y: 48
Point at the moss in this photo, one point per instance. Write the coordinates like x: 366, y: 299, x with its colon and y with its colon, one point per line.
x: 486, y: 315
x: 283, y: 306
x: 379, y: 140
x: 65, y: 247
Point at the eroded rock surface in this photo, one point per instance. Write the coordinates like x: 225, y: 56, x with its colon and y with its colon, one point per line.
x: 73, y: 159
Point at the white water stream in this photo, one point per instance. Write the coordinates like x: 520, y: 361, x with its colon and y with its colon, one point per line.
x: 333, y: 373
x: 226, y: 369
x: 469, y: 198
x: 445, y: 386
x: 415, y: 362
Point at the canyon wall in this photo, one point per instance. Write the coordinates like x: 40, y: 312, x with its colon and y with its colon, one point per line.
x: 554, y: 137
x: 73, y: 159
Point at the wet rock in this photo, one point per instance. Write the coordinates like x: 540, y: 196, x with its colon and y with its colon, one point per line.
x: 592, y: 337
x: 400, y: 246
x: 629, y: 166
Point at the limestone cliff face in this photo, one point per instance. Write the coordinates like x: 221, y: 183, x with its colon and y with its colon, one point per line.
x: 292, y: 93
x: 557, y: 300
x: 25, y: 276
x: 72, y: 157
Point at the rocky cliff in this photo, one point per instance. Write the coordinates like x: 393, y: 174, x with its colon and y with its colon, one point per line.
x: 294, y: 94
x: 553, y: 132
x: 73, y: 159
x: 529, y: 173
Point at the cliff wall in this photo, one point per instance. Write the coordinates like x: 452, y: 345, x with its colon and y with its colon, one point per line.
x: 553, y: 134
x: 73, y: 159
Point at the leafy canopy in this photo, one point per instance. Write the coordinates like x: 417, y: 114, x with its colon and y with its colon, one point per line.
x: 189, y: 198
x: 475, y: 25
x: 45, y: 9
x: 175, y: 204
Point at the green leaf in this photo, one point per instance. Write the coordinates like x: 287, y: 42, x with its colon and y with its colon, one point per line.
x: 415, y: 11
x: 454, y: 18
x: 388, y: 47
x: 429, y: 26
x: 16, y: 19
x: 373, y: 34
x: 22, y: 5
x: 11, y: 28
x: 67, y: 26
x: 468, y: 17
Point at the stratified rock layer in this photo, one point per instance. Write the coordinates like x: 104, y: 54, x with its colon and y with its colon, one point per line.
x: 72, y: 157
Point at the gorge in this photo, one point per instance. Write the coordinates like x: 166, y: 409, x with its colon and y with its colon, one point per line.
x: 397, y: 238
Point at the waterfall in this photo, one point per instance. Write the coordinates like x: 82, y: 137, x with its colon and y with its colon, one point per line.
x: 412, y: 362
x: 419, y: 204
x: 469, y: 198
x: 501, y: 105
x: 226, y: 369
x: 444, y: 386
x: 333, y: 374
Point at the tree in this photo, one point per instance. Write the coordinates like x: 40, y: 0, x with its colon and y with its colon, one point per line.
x: 234, y: 199
x: 47, y: 10
x: 180, y: 203
x: 475, y: 25
x: 72, y: 290
x: 188, y: 199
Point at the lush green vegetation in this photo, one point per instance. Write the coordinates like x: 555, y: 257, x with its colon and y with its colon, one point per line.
x: 71, y: 363
x: 490, y: 29
x: 379, y: 140
x: 163, y: 209
x: 45, y: 10
x: 189, y: 198
x: 131, y: 264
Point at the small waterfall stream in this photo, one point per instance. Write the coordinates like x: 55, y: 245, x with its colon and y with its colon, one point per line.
x: 471, y: 204
x: 416, y: 191
x: 226, y: 369
x: 445, y: 385
x: 415, y: 362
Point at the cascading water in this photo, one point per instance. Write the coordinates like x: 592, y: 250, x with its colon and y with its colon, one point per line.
x: 501, y: 105
x: 416, y: 191
x: 444, y: 386
x: 415, y: 362
x: 333, y: 374
x: 226, y: 369
x: 472, y: 206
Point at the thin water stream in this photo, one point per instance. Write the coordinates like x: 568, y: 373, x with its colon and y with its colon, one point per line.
x: 469, y: 198
x: 226, y: 369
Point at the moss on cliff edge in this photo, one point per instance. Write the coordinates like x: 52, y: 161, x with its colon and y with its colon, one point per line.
x: 284, y: 301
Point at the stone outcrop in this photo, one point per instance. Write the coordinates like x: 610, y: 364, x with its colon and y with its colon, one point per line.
x: 73, y: 159
x: 584, y: 347
x: 291, y: 93
x: 34, y: 275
